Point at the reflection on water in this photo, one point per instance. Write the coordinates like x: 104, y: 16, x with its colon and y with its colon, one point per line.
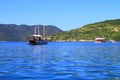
x: 60, y: 61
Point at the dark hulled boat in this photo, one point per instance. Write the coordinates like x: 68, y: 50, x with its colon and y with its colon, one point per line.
x: 36, y: 39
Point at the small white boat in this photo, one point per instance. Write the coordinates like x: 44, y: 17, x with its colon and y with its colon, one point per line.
x: 99, y: 40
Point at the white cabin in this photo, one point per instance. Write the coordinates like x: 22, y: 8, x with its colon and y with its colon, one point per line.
x: 99, y: 40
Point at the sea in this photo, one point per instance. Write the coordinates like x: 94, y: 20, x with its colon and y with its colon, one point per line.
x: 60, y: 61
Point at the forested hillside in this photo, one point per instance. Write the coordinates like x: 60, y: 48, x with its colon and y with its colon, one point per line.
x: 109, y: 29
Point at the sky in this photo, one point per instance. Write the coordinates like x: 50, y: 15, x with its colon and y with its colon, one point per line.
x: 65, y: 14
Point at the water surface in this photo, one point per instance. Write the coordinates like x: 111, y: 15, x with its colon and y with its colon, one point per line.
x: 60, y: 61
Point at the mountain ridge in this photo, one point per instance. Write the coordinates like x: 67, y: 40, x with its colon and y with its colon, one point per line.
x: 13, y: 32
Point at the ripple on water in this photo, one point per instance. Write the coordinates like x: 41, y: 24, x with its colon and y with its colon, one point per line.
x: 60, y: 61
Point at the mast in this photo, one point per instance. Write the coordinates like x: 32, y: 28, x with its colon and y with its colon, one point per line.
x: 44, y: 32
x: 38, y: 30
x: 35, y: 30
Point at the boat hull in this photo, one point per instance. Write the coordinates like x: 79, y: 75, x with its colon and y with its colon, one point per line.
x: 43, y: 42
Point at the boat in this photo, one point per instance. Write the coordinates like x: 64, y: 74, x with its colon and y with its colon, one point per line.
x: 36, y: 38
x: 99, y: 40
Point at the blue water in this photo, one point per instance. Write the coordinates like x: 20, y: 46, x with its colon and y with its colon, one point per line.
x: 60, y: 61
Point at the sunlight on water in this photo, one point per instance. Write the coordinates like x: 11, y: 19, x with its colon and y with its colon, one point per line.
x: 59, y: 61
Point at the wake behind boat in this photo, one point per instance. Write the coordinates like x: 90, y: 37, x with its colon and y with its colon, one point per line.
x: 36, y: 39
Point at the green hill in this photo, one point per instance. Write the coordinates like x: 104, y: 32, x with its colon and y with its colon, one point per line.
x: 109, y: 29
x: 13, y: 32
